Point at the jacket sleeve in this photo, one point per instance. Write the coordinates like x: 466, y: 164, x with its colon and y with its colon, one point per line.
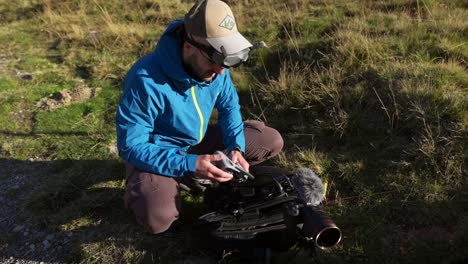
x: 229, y: 115
x: 135, y: 119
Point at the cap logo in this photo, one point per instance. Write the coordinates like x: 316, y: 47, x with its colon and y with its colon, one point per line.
x: 228, y: 23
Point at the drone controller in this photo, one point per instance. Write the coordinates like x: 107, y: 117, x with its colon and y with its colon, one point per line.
x: 226, y: 164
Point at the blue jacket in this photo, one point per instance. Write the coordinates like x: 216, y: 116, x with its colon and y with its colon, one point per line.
x: 163, y: 111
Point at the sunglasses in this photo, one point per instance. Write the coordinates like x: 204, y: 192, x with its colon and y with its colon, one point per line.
x: 221, y: 59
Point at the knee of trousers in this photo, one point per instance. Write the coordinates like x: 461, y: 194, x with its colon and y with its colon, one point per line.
x: 157, y: 222
x: 266, y: 142
x: 155, y: 203
x: 277, y: 142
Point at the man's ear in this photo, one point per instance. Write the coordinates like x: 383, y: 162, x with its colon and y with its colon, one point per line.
x: 187, y: 48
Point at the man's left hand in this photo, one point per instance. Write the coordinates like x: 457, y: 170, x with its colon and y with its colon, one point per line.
x: 236, y: 157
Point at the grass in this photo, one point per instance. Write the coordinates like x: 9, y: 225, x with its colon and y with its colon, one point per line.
x: 370, y: 95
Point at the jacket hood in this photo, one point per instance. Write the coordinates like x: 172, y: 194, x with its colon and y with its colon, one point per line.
x: 168, y: 52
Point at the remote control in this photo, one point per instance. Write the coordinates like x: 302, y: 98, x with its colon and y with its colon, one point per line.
x: 226, y: 164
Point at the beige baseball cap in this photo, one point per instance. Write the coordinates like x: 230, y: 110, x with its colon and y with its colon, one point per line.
x: 213, y: 20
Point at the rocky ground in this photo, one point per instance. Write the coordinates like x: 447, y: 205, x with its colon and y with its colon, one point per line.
x: 24, y: 240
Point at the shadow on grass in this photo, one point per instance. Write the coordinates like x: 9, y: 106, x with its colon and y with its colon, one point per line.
x: 412, y: 231
x: 83, y: 199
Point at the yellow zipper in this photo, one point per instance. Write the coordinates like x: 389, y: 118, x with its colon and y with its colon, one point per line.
x: 202, y: 121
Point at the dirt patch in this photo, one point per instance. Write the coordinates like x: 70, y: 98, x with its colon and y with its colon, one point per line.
x: 67, y: 97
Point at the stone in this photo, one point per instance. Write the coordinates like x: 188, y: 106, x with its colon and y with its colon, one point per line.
x: 46, y: 244
x: 18, y: 228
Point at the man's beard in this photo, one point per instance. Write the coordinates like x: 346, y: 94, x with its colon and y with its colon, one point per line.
x: 191, y: 66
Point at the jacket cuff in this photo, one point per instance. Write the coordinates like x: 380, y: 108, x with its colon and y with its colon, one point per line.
x: 237, y: 147
x: 191, y: 163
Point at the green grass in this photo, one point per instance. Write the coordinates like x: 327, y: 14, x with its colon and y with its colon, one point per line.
x: 8, y: 84
x: 370, y: 95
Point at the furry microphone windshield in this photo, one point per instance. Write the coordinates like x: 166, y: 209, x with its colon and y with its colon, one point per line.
x: 309, y: 186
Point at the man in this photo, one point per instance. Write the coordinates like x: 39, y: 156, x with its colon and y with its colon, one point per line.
x: 162, y: 119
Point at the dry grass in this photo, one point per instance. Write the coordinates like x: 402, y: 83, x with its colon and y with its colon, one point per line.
x: 369, y: 94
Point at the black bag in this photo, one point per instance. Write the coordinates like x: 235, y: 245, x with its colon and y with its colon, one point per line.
x: 266, y: 212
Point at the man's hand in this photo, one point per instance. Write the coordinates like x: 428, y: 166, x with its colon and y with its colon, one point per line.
x: 206, y: 169
x: 236, y: 157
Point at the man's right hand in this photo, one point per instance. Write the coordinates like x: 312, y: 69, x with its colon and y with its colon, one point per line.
x: 206, y: 168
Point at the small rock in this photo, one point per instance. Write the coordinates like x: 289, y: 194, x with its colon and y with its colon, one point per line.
x: 26, y: 77
x: 46, y: 244
x: 69, y: 234
x: 50, y: 237
x: 32, y: 247
x: 18, y: 228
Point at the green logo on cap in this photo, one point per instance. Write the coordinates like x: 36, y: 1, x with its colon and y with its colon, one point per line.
x: 228, y: 22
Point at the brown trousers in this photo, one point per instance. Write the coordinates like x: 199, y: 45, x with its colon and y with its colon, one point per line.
x: 156, y: 200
